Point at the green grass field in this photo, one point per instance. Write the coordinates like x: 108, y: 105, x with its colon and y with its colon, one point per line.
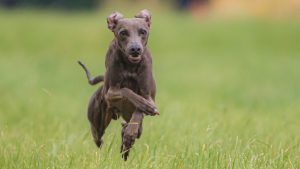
x: 228, y: 92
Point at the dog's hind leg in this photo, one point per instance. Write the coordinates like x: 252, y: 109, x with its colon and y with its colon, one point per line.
x: 92, y: 80
x: 98, y: 116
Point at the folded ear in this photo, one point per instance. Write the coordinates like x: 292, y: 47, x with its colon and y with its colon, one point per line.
x: 112, y: 20
x: 145, y: 14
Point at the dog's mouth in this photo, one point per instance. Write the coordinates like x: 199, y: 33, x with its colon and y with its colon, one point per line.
x: 135, y: 58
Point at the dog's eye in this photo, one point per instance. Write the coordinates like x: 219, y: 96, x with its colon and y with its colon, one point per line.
x: 123, y: 33
x: 142, y: 32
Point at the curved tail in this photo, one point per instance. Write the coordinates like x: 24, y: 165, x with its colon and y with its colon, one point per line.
x: 92, y: 80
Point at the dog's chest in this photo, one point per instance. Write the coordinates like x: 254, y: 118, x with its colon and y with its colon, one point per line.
x: 130, y: 81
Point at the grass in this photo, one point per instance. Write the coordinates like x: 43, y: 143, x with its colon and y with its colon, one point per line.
x: 228, y: 92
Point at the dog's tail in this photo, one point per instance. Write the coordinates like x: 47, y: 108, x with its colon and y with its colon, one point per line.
x: 92, y: 80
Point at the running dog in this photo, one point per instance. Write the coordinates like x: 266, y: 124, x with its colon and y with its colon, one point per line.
x: 129, y: 87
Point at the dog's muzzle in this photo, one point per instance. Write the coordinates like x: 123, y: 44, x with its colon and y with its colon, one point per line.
x: 135, y: 52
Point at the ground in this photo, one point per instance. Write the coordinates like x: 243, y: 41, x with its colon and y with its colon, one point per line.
x: 227, y: 90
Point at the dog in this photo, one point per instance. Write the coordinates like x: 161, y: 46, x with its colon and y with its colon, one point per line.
x: 129, y: 87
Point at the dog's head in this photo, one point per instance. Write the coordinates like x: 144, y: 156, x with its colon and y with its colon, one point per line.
x: 131, y: 33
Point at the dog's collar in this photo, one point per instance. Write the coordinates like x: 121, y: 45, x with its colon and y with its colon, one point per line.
x: 133, y: 123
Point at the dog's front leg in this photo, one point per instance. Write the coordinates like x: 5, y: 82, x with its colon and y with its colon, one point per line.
x: 130, y: 132
x: 113, y: 94
x: 146, y: 106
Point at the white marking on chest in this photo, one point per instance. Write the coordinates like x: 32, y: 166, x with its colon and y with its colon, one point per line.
x: 130, y: 75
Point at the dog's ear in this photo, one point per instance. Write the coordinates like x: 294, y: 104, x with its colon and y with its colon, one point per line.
x: 145, y: 14
x: 112, y: 20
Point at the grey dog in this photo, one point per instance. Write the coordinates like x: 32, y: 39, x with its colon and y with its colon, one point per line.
x: 129, y: 88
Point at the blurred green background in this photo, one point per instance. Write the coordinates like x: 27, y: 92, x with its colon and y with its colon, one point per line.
x: 228, y: 86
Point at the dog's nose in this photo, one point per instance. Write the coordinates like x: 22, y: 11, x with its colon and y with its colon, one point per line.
x: 135, y: 50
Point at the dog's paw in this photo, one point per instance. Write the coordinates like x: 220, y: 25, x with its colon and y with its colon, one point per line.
x: 147, y: 107
x: 99, y: 143
x: 152, y: 112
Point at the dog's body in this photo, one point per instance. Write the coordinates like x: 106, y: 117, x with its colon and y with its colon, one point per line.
x: 129, y: 87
